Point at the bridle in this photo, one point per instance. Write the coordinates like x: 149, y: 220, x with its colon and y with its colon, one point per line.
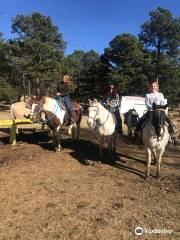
x: 162, y: 126
x: 97, y: 112
x: 32, y: 112
x: 95, y: 117
x: 40, y: 110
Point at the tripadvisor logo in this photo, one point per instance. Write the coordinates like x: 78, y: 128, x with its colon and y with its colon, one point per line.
x: 139, y: 231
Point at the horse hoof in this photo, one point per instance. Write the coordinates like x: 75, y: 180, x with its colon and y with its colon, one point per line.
x: 89, y: 163
x: 146, y: 177
x: 157, y: 177
x: 13, y: 143
x: 59, y: 149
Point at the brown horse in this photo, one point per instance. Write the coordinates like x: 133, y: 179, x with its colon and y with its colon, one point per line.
x: 54, y: 114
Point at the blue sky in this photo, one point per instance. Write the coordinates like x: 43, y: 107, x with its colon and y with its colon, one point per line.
x: 87, y: 24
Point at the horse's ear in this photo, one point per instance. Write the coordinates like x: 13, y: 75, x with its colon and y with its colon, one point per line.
x: 89, y: 100
x: 95, y: 100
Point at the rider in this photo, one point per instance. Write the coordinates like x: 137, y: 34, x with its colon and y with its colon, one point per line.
x: 63, y: 90
x: 112, y: 103
x: 154, y: 97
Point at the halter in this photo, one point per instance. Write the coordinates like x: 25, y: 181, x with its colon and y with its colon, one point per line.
x: 57, y: 104
x: 97, y: 112
x: 94, y: 118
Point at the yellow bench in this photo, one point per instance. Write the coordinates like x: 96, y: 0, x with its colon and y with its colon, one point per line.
x: 13, y: 127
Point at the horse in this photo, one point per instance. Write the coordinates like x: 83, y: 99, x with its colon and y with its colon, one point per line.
x: 155, y: 137
x: 103, y: 123
x: 53, y: 113
x: 131, y: 119
x: 18, y: 110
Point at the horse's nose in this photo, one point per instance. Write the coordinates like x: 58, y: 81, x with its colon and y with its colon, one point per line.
x: 33, y: 119
x: 89, y: 123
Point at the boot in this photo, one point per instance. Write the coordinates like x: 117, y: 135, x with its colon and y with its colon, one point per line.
x: 72, y: 118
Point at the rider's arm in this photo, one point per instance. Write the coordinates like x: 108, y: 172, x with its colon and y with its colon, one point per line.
x: 148, y: 102
x: 114, y: 103
x: 161, y: 99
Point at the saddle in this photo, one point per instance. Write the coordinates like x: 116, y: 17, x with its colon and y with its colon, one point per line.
x: 76, y: 110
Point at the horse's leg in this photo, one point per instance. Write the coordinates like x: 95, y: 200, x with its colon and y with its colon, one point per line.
x: 155, y: 156
x: 160, y: 153
x: 54, y: 138
x: 148, y: 152
x: 101, y: 140
x: 73, y: 132
x: 114, y: 143
x: 70, y: 129
x: 110, y: 147
x: 59, y: 147
x: 129, y: 133
x: 77, y: 131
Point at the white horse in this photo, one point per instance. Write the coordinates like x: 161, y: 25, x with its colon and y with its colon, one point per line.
x: 52, y: 113
x: 155, y: 137
x: 102, y: 122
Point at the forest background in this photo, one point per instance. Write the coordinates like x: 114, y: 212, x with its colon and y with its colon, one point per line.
x: 34, y: 61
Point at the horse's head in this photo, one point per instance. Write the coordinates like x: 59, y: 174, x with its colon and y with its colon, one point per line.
x: 135, y: 117
x: 31, y: 102
x: 93, y: 113
x: 37, y: 112
x: 159, y: 118
x: 131, y: 118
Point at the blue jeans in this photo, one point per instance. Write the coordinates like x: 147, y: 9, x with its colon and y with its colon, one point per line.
x: 68, y: 104
x: 119, y: 121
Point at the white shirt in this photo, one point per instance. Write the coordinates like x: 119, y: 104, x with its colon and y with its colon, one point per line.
x: 156, y: 98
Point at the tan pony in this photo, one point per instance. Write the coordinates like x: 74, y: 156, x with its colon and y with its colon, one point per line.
x: 19, y: 110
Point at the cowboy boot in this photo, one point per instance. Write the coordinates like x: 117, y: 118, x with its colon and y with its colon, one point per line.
x: 72, y: 118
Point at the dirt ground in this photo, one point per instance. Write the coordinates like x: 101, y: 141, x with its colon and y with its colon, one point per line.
x: 56, y: 195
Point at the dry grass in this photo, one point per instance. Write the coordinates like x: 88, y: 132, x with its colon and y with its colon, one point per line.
x: 49, y: 195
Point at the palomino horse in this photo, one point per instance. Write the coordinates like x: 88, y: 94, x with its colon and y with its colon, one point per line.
x: 104, y: 123
x: 155, y: 137
x: 131, y: 119
x: 18, y: 110
x: 53, y: 113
